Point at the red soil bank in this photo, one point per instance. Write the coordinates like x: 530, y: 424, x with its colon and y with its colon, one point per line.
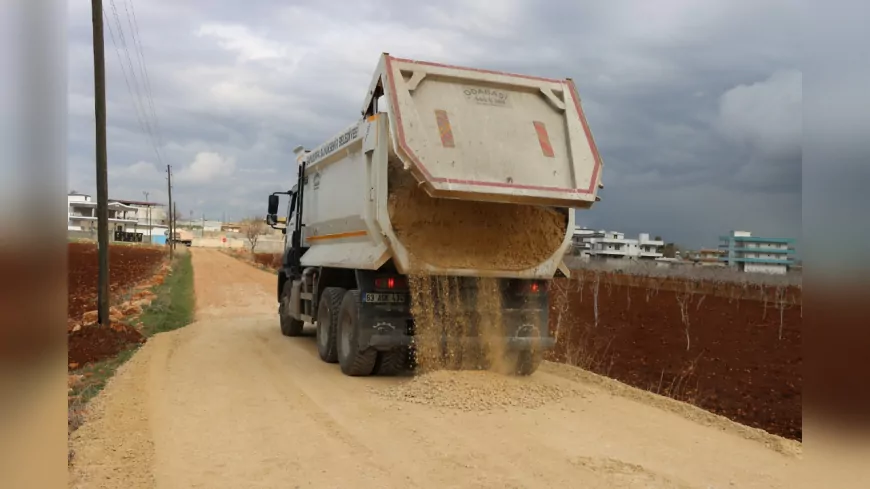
x: 737, y: 365
x: 95, y: 343
x: 127, y: 266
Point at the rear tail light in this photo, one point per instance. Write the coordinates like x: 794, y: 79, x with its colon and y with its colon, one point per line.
x: 391, y: 283
x: 537, y: 287
x: 523, y: 287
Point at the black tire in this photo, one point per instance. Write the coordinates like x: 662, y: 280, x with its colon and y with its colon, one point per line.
x: 289, y: 326
x: 393, y: 362
x: 327, y: 323
x: 528, y: 362
x: 353, y: 362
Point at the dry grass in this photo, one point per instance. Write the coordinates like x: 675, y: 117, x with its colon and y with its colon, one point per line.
x: 690, y: 272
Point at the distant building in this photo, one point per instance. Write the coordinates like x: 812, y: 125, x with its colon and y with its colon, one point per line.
x: 748, y: 253
x: 614, y: 245
x: 129, y: 220
x: 200, y: 224
x: 212, y: 226
x: 579, y: 240
x: 148, y: 213
x: 710, y: 257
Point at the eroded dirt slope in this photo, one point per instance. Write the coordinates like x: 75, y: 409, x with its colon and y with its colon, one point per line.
x: 228, y: 402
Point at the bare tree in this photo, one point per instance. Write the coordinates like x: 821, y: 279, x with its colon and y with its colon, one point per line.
x: 252, y: 229
x: 560, y: 293
x: 597, y: 283
x: 684, y: 300
x: 781, y: 302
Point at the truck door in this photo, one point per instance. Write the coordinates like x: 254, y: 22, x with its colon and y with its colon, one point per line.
x: 291, y: 220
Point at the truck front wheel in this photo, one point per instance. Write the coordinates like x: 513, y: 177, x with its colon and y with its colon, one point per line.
x: 289, y: 326
x: 353, y: 362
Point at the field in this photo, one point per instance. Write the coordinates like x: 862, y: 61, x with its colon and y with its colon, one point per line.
x: 128, y: 265
x: 741, y: 357
x: 732, y: 349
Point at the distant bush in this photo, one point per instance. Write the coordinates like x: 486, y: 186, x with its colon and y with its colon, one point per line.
x: 270, y: 260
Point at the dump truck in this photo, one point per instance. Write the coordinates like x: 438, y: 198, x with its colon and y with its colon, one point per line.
x: 486, y: 162
x: 181, y: 236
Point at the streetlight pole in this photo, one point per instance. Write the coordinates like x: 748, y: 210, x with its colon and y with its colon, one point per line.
x: 148, y: 214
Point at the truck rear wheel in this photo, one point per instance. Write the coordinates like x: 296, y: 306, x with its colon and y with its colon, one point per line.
x: 289, y: 326
x: 527, y: 362
x: 353, y: 362
x: 393, y: 362
x: 327, y: 323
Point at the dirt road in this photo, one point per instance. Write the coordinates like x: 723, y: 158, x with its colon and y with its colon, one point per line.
x: 228, y: 402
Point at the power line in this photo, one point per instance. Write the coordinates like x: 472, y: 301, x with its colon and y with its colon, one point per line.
x: 123, y: 40
x: 139, y: 115
x: 142, y: 112
x: 137, y: 42
x: 124, y: 72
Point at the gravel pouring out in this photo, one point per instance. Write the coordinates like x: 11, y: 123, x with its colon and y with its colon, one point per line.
x: 450, y: 233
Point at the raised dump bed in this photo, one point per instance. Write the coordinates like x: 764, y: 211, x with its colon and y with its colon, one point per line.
x: 482, y: 135
x: 452, y: 171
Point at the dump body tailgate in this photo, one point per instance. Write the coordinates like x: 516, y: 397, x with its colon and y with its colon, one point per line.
x: 482, y: 135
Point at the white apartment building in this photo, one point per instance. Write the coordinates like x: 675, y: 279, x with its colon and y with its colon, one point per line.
x: 128, y: 220
x: 580, y: 240
x: 614, y: 245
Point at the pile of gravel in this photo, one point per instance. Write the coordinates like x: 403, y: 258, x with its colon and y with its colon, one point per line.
x: 477, y: 391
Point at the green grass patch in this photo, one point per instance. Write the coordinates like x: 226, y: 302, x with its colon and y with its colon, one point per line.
x: 96, y: 375
x: 175, y: 303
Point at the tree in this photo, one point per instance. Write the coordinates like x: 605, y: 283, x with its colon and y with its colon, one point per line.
x: 670, y: 250
x: 252, y: 229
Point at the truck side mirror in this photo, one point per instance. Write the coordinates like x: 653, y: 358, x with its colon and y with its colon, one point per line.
x: 270, y: 219
x: 273, y: 205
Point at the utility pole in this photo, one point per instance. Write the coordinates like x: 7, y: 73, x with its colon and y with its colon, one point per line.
x: 174, y: 218
x: 102, y: 163
x: 148, y: 216
x: 169, y: 210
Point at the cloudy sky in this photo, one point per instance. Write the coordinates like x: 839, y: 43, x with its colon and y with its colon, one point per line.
x: 696, y: 106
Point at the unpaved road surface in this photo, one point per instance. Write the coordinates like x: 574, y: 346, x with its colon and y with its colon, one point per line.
x: 228, y: 402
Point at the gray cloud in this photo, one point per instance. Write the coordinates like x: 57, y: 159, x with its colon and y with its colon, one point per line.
x: 692, y: 103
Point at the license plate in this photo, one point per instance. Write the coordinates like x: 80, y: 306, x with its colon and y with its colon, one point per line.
x: 385, y: 298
